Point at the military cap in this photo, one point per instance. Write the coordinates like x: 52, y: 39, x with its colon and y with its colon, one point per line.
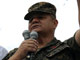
x: 41, y: 7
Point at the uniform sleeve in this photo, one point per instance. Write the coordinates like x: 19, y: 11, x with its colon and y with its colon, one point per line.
x: 74, y: 47
x: 10, y: 54
x: 73, y: 44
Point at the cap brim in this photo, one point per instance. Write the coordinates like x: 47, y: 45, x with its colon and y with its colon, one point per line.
x: 29, y: 15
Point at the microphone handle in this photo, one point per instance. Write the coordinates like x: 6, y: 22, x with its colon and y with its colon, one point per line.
x: 32, y: 56
x: 34, y: 36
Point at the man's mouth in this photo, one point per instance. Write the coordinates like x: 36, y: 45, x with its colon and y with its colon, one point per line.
x: 35, y: 26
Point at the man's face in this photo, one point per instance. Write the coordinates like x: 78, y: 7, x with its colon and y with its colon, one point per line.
x: 42, y: 23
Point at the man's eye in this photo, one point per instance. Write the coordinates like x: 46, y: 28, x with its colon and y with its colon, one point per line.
x: 40, y: 17
x: 30, y: 20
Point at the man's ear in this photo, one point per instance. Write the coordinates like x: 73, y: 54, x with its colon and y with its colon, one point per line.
x: 55, y: 23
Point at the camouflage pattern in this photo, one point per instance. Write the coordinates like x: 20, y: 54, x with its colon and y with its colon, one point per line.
x: 55, y: 50
x: 10, y: 54
x: 41, y: 7
x: 74, y: 46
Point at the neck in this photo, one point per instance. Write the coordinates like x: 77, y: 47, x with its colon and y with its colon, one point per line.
x: 44, y: 39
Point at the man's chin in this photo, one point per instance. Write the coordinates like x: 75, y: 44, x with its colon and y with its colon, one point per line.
x: 37, y: 30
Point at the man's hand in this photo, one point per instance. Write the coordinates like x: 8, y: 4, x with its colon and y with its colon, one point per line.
x: 25, y: 47
x: 77, y: 37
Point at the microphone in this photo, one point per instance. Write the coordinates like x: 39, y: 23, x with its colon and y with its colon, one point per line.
x: 26, y: 34
x: 34, y: 35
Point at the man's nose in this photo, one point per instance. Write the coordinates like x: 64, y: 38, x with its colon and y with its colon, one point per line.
x: 35, y: 19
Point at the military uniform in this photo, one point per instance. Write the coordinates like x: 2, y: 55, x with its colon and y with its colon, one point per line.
x: 55, y: 50
x: 74, y: 46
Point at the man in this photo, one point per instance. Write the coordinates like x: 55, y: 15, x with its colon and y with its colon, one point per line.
x: 3, y: 52
x: 74, y: 42
x: 42, y: 19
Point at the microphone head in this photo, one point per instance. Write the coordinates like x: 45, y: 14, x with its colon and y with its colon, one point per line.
x: 34, y: 35
x: 26, y: 34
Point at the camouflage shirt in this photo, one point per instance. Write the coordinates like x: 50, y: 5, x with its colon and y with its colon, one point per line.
x: 55, y: 50
x: 74, y: 46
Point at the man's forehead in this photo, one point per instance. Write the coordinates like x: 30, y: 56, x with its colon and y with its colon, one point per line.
x: 40, y: 14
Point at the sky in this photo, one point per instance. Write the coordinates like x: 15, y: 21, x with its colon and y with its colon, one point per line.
x: 12, y: 23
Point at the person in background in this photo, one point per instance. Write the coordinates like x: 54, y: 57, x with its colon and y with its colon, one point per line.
x: 74, y: 42
x: 3, y: 52
x: 42, y: 19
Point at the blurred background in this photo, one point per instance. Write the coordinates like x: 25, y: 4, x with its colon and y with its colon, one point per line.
x: 12, y: 23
